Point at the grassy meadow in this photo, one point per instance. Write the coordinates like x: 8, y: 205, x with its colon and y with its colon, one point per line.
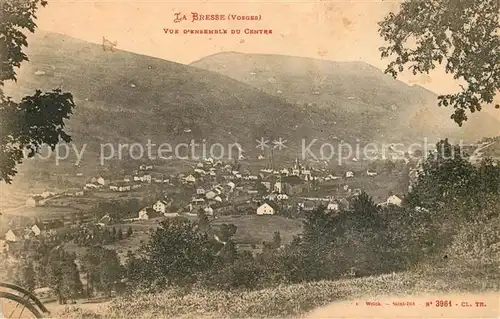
x: 289, y: 301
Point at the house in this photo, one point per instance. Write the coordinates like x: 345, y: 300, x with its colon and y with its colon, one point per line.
x: 124, y: 187
x: 209, y: 211
x: 394, y: 200
x: 308, y: 206
x: 200, y: 191
x: 101, y: 181
x: 265, y: 209
x: 135, y: 186
x: 278, y: 187
x: 47, y: 194
x: 120, y: 187
x: 231, y: 185
x: 196, y: 203
x: 91, y: 186
x: 37, y: 231
x: 105, y: 220
x: 370, y: 173
x: 146, y: 178
x: 292, y: 185
x: 210, y: 194
x: 200, y: 171
x: 145, y: 167
x: 190, y: 179
x: 34, y: 201
x: 28, y: 233
x: 75, y: 192
x: 160, y: 206
x: 148, y: 213
x: 282, y: 197
x: 13, y: 235
x: 261, y: 157
x: 127, y: 178
x: 333, y: 206
x: 349, y: 174
x: 271, y: 196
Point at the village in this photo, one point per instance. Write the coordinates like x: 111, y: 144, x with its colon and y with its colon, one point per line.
x: 215, y: 189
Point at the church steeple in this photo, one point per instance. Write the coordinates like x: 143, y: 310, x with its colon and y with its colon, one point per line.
x: 297, y: 163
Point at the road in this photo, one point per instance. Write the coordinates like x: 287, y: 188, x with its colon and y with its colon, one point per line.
x: 425, y: 306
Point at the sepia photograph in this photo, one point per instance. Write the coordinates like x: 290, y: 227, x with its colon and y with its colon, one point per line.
x: 249, y: 159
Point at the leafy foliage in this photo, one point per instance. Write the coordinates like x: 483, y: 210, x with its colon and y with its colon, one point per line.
x: 103, y: 269
x: 177, y: 252
x: 38, y: 119
x: 462, y: 35
x: 63, y: 276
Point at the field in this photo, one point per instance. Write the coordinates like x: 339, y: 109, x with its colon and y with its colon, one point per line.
x: 298, y: 300
x: 253, y: 229
x: 141, y: 231
x: 46, y: 212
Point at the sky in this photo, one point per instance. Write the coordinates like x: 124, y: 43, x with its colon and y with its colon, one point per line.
x: 330, y: 30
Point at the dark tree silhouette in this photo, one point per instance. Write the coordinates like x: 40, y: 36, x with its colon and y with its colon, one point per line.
x: 38, y: 119
x: 461, y: 35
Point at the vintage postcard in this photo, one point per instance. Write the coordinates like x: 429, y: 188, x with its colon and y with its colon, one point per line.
x: 249, y: 159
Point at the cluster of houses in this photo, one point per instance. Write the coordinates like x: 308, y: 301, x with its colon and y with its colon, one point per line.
x: 219, y: 188
x: 40, y: 199
x: 15, y: 236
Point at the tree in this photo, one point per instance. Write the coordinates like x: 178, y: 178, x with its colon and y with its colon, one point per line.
x: 461, y: 35
x: 276, y: 240
x: 227, y: 231
x: 110, y: 270
x: 203, y: 221
x: 177, y: 252
x: 129, y: 231
x: 103, y: 269
x: 38, y: 119
x: 119, y: 235
x: 25, y: 275
x: 261, y: 188
x: 63, y: 276
x: 446, y: 175
x: 135, y: 268
x: 365, y: 211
